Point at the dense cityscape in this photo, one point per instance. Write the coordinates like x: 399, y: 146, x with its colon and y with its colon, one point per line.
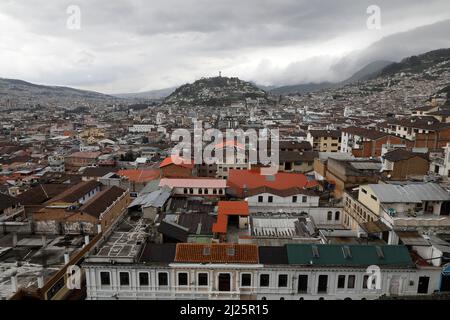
x: 98, y: 201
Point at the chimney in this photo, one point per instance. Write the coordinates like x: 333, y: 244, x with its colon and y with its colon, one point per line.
x: 86, y: 239
x: 14, y: 239
x: 40, y: 280
x: 14, y: 286
x: 245, y: 190
x: 44, y: 240
x: 99, y: 228
x: 66, y: 258
x: 199, y: 228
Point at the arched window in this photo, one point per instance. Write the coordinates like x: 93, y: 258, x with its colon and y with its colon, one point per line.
x: 337, y: 215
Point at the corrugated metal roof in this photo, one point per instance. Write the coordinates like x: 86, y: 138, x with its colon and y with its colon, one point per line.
x: 412, y: 238
x: 274, y: 227
x: 410, y: 193
x: 366, y: 165
x: 374, y: 226
x: 348, y: 255
x: 154, y: 199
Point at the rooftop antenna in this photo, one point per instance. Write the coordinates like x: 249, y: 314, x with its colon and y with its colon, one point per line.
x: 220, y: 74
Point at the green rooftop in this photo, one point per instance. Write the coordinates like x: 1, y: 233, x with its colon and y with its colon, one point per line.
x: 348, y: 255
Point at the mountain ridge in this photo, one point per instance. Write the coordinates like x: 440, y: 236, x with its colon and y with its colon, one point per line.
x: 215, y: 91
x: 26, y: 93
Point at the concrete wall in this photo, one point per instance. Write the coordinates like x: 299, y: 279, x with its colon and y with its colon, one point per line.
x: 174, y: 171
x: 394, y: 281
x: 367, y: 200
x: 115, y: 211
x: 196, y: 192
x: 278, y: 201
x: 413, y: 166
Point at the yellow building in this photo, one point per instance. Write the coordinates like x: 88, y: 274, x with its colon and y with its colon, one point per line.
x: 325, y: 140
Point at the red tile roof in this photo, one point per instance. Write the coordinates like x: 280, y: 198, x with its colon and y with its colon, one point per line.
x: 229, y: 143
x: 195, y: 182
x: 228, y: 208
x: 86, y: 154
x: 252, y: 179
x: 140, y: 175
x: 75, y: 192
x: 221, y: 225
x: 216, y: 253
x: 186, y: 163
x: 102, y: 201
x: 233, y: 208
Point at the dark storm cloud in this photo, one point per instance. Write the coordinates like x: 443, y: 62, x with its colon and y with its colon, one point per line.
x: 139, y: 45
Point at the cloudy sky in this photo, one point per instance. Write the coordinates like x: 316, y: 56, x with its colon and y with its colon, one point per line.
x: 138, y: 45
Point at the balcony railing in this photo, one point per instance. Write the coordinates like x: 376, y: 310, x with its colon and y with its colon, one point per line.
x: 415, y: 219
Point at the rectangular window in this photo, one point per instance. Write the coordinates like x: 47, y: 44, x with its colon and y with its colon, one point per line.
x: 302, y: 283
x: 364, y: 190
x: 341, y: 282
x: 365, y: 279
x: 246, y: 280
x: 260, y: 199
x: 373, y: 197
x: 329, y: 216
x: 351, y: 282
x: 304, y: 198
x: 144, y: 279
x: 337, y: 215
x: 202, y: 279
x: 294, y: 199
x: 264, y: 280
x: 282, y: 280
x: 124, y: 278
x: 322, y: 285
x: 270, y: 199
x: 423, y: 285
x: 163, y: 279
x: 105, y: 279
x: 182, y: 279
